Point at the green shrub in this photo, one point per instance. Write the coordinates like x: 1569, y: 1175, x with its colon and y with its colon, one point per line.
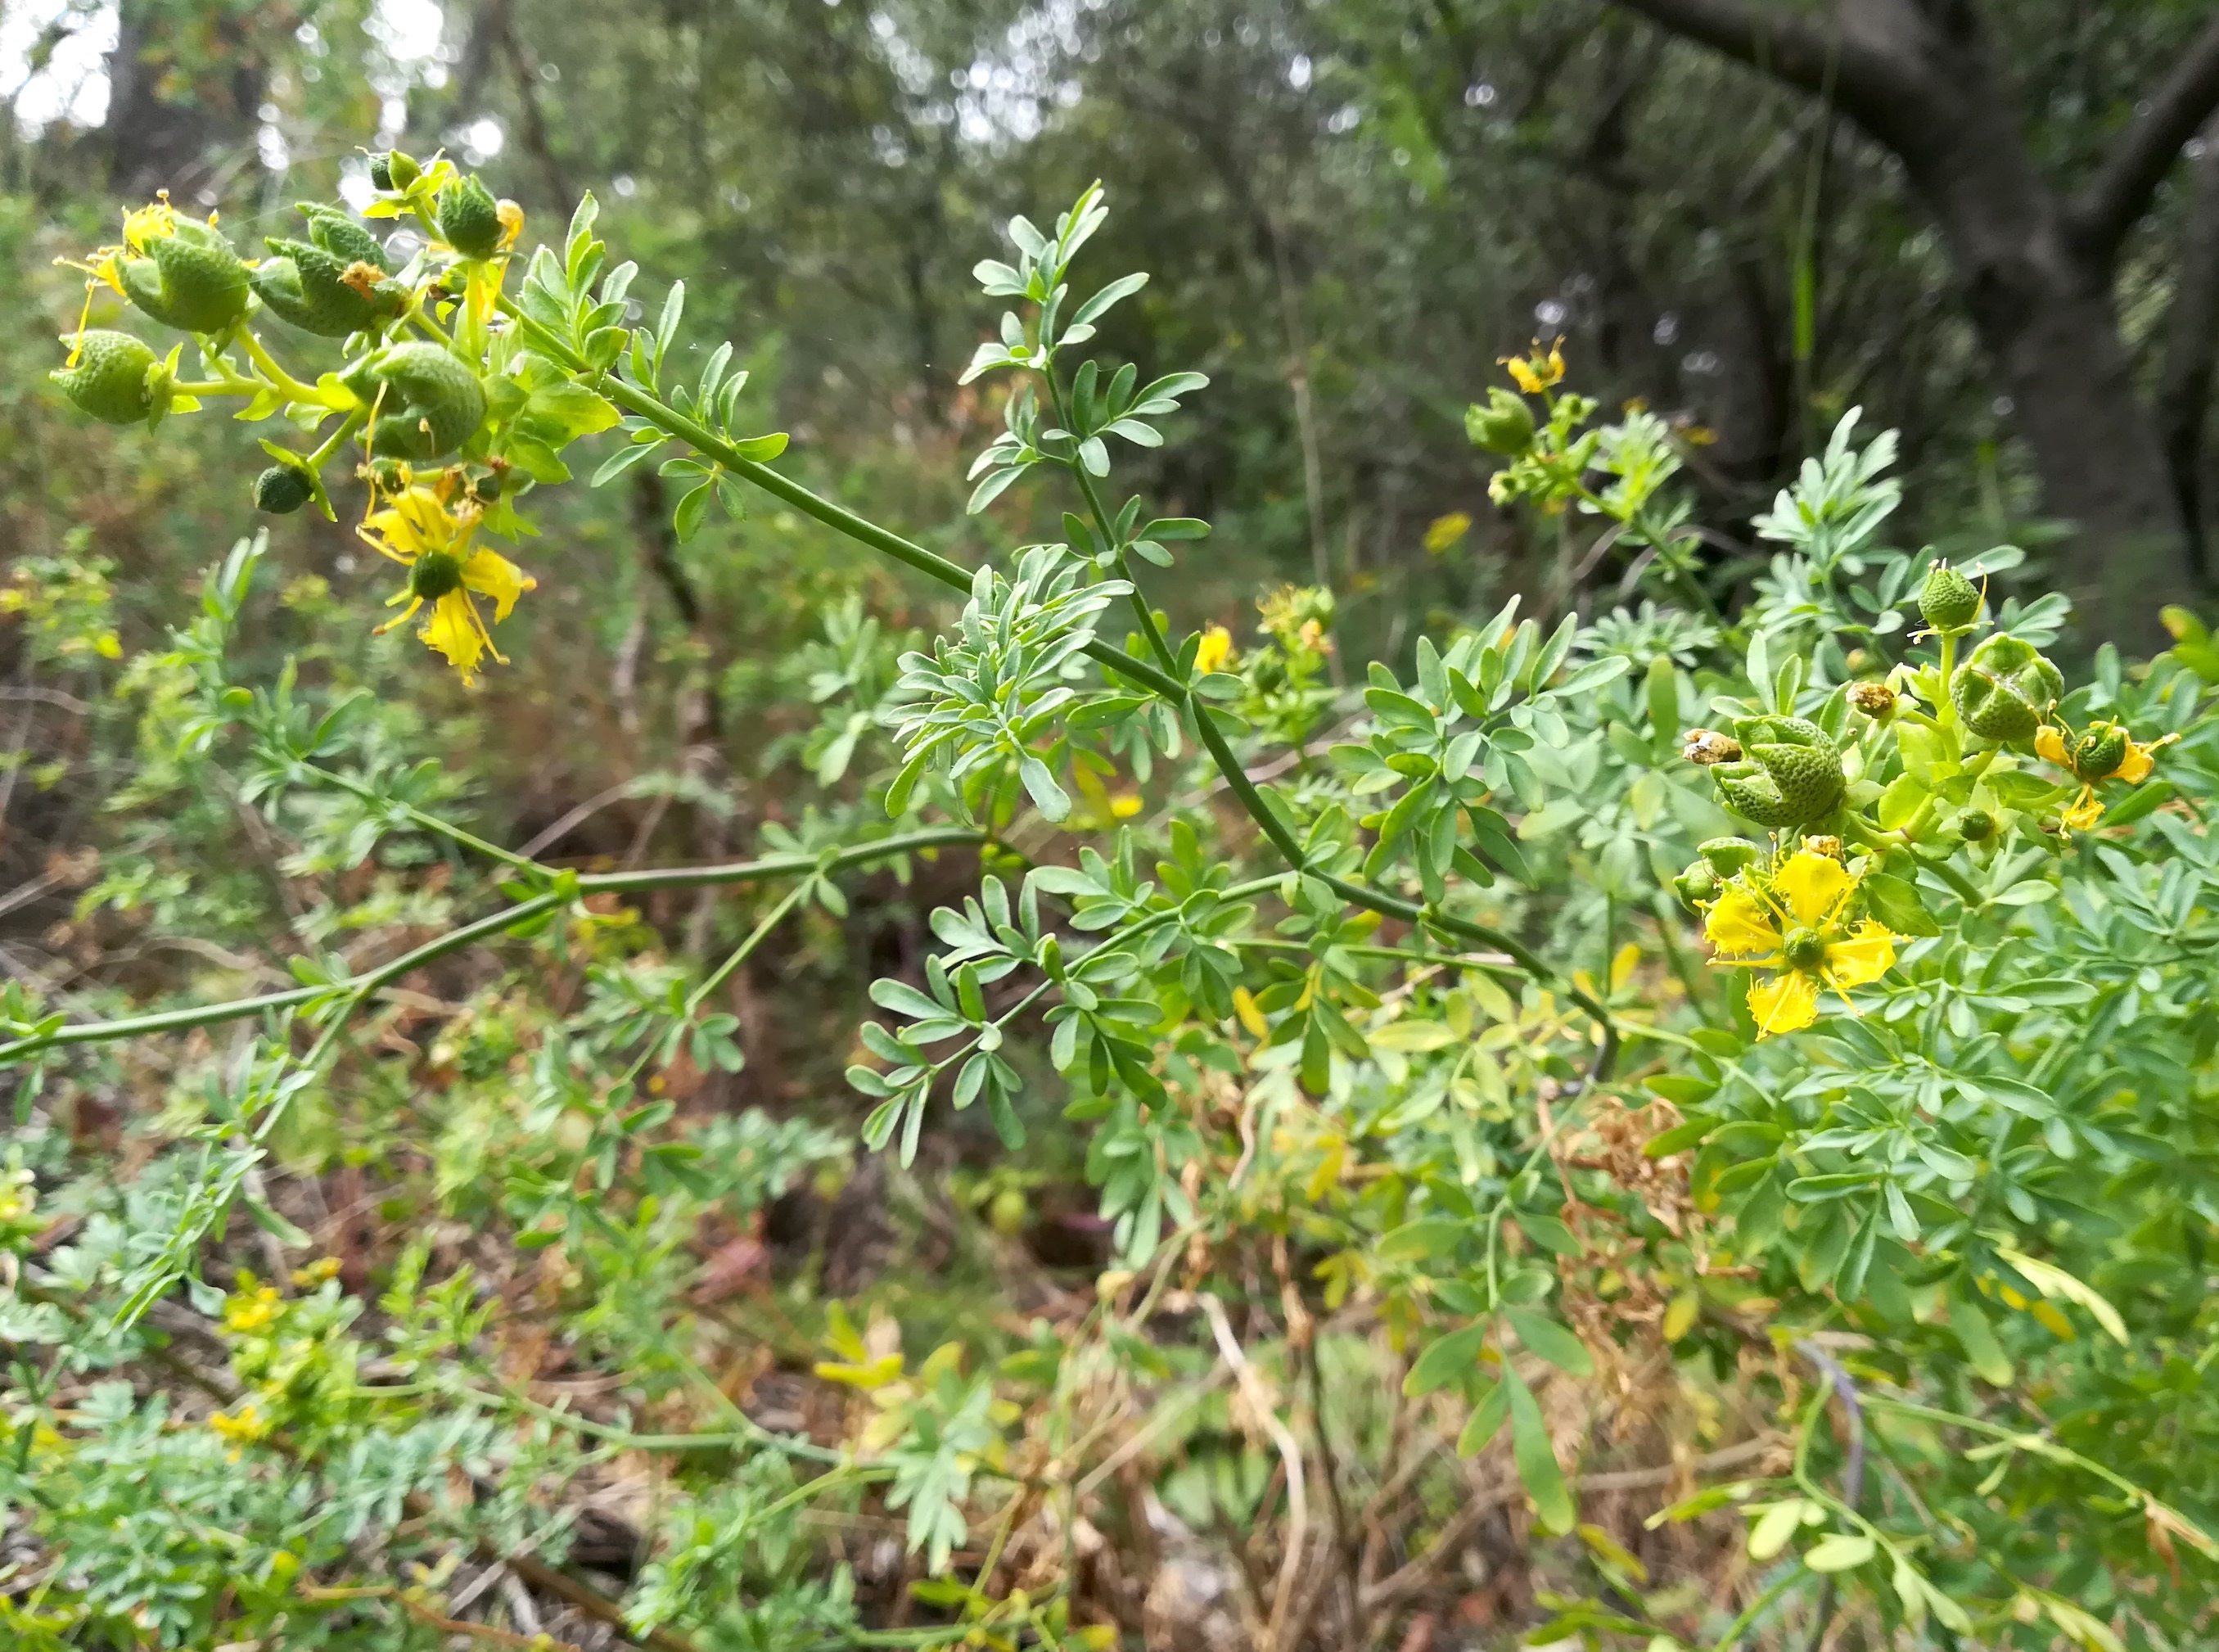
x: 1382, y: 1021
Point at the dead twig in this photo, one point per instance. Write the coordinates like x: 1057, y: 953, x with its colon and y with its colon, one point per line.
x: 1290, y: 1459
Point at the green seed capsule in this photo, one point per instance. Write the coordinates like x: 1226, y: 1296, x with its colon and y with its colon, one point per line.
x: 2097, y: 753
x: 1698, y: 886
x: 116, y: 378
x: 390, y: 169
x: 2004, y: 688
x: 315, y: 290
x: 1504, y: 425
x: 1727, y: 855
x: 343, y: 239
x: 1948, y: 600
x: 434, y: 574
x: 1974, y: 825
x: 468, y: 218
x: 428, y: 401
x: 1790, y: 776
x: 1803, y: 949
x: 283, y: 490
x: 189, y: 279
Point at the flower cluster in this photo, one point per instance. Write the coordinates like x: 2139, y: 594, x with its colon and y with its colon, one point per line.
x: 423, y: 380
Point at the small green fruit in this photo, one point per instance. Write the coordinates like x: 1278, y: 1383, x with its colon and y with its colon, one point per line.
x: 283, y: 490
x: 1947, y: 601
x: 1698, y: 886
x: 323, y: 289
x: 1974, y: 825
x: 2004, y: 688
x: 468, y: 218
x: 343, y: 239
x: 1727, y: 855
x: 116, y: 378
x: 432, y: 402
x: 189, y: 279
x: 1791, y: 776
x: 2097, y: 753
x: 1504, y: 425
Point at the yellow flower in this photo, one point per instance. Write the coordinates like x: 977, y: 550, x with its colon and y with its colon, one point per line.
x: 1446, y: 531
x: 422, y: 528
x: 2103, y: 751
x: 1799, y: 926
x: 151, y: 222
x: 244, y: 1314
x: 1214, y: 650
x: 249, y: 1425
x: 1534, y: 372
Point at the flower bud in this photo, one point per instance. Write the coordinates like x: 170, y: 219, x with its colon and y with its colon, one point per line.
x: 1504, y: 425
x: 1947, y: 601
x: 1875, y: 700
x: 115, y: 378
x: 283, y: 490
x: 1973, y: 825
x: 2003, y: 689
x: 1727, y: 855
x: 1793, y: 775
x: 470, y: 218
x: 428, y: 401
x: 191, y: 279
x: 1697, y: 887
x: 1706, y: 746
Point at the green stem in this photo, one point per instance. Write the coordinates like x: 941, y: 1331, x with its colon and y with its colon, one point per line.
x: 1726, y: 1642
x: 956, y: 576
x: 293, y: 389
x: 723, y: 972
x: 431, y: 822
x: 742, y: 871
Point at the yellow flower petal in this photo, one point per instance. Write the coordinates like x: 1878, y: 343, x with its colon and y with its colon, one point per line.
x: 491, y: 574
x: 1214, y: 648
x: 454, y: 630
x: 1784, y: 1003
x: 2135, y: 766
x: 1739, y: 926
x: 2084, y: 812
x: 1867, y: 955
x: 1523, y: 375
x: 2050, y: 745
x: 1812, y: 887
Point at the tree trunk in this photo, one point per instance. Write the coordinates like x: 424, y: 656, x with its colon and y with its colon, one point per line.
x: 2191, y: 345
x: 2043, y: 312
x: 174, y: 139
x: 2036, y: 269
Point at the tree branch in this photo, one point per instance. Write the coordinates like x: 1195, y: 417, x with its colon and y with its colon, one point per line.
x: 1880, y: 90
x: 2106, y: 209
